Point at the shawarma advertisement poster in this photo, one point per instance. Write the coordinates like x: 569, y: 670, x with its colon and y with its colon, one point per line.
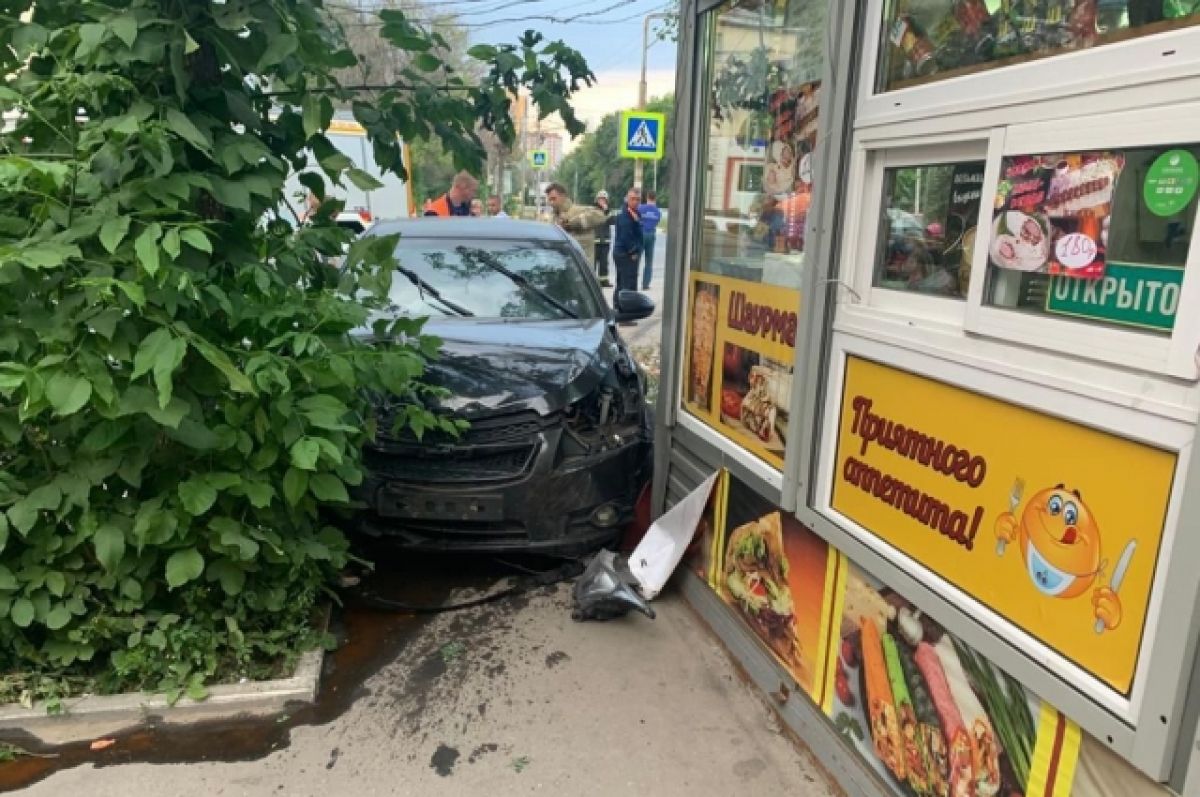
x: 1054, y: 526
x: 784, y: 582
x: 741, y: 346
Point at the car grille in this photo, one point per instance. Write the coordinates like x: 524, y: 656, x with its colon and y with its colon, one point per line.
x: 492, y: 449
x: 456, y: 465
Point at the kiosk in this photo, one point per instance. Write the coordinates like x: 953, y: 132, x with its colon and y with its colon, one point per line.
x: 933, y: 310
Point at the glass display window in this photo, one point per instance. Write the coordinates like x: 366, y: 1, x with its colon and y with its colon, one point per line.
x: 1099, y: 236
x: 759, y: 139
x: 924, y: 41
x: 927, y: 228
x: 759, y: 149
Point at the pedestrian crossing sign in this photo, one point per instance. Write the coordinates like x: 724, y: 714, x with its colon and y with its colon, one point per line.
x: 643, y: 135
x: 539, y: 158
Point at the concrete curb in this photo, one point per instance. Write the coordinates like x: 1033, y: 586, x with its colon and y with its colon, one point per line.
x: 92, y: 716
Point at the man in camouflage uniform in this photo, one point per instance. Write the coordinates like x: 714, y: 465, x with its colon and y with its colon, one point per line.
x: 580, y: 221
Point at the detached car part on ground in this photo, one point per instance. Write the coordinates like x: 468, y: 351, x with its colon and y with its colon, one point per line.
x: 559, y: 443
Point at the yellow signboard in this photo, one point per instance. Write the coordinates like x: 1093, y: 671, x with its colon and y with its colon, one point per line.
x: 741, y: 346
x: 1054, y: 526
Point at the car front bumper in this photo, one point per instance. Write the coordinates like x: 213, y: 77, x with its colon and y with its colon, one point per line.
x: 505, y: 488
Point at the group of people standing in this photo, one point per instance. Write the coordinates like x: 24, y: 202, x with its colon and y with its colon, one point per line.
x: 627, y: 233
x: 460, y: 200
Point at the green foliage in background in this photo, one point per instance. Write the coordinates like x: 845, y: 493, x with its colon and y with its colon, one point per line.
x: 182, y: 403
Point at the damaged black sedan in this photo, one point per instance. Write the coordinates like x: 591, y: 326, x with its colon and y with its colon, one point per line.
x: 558, y: 443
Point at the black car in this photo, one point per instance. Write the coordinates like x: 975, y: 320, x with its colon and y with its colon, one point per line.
x: 559, y: 442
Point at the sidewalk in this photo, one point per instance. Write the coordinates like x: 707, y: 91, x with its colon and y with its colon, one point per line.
x: 531, y: 702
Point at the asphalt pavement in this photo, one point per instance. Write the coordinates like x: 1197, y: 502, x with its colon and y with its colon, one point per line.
x: 510, y: 698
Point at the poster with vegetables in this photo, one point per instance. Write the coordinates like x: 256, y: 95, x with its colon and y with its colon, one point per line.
x: 1053, y: 213
x: 784, y: 582
x: 932, y: 716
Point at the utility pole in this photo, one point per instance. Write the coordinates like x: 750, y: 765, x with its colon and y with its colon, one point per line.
x: 638, y: 166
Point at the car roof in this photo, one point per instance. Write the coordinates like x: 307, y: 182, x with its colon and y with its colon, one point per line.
x: 469, y: 227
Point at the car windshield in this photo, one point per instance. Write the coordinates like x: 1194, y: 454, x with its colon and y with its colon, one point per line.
x: 461, y: 277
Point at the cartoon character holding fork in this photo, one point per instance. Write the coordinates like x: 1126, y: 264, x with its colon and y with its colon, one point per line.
x: 1059, y: 539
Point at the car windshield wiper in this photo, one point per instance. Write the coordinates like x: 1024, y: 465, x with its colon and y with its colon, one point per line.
x: 493, y: 263
x: 424, y: 287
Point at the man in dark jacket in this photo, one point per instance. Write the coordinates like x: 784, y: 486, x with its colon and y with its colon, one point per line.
x: 627, y: 244
x: 603, y: 238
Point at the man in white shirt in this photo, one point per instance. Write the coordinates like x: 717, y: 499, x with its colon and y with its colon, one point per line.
x: 494, y: 209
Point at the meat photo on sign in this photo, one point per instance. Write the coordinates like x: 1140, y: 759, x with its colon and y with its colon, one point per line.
x: 928, y: 713
x: 705, y: 303
x: 755, y: 395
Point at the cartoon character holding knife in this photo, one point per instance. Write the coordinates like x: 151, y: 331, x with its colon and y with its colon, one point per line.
x: 1059, y: 540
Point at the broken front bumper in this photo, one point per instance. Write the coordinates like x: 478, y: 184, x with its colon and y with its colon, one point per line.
x: 518, y: 483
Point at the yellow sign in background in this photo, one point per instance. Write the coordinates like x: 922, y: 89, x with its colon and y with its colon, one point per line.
x: 734, y: 326
x: 1054, y: 526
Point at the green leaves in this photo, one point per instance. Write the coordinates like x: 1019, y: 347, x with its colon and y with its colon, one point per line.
x: 146, y: 247
x: 22, y: 612
x: 67, y: 393
x: 295, y: 485
x: 162, y: 353
x: 113, y: 232
x: 180, y: 394
x: 197, y: 495
x: 183, y: 127
x: 110, y: 546
x: 184, y: 566
x: 238, y: 381
x: 196, y: 239
x: 305, y: 453
x: 329, y: 488
x: 125, y: 28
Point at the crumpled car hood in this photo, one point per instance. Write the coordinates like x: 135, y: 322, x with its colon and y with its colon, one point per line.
x: 492, y: 366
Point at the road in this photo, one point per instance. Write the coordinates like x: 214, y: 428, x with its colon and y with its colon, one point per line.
x: 511, y: 698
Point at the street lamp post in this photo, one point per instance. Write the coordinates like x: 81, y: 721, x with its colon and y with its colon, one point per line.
x: 638, y: 167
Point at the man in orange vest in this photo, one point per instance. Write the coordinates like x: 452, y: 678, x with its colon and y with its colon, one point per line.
x: 456, y: 201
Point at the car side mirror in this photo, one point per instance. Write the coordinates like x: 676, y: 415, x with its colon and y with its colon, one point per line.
x: 633, y: 306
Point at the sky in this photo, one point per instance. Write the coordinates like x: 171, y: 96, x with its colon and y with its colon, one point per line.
x: 607, y: 32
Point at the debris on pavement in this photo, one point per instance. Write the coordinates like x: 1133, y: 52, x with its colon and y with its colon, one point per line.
x: 519, y: 764
x: 452, y: 650
x: 662, y: 549
x: 607, y: 590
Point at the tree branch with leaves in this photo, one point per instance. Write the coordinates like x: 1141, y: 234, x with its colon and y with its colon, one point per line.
x: 183, y: 383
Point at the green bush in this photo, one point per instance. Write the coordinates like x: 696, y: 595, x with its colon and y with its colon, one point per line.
x: 181, y: 401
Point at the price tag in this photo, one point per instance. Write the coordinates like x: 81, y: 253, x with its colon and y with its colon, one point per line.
x: 1075, y: 251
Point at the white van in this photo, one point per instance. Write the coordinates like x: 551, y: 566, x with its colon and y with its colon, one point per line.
x: 391, y: 201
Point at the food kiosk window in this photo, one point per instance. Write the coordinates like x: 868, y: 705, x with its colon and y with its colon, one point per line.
x: 927, y: 229
x: 762, y: 85
x: 1098, y: 236
x: 930, y: 40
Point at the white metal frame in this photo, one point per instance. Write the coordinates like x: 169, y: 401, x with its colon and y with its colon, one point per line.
x: 1168, y: 435
x: 1172, y: 355
x: 1140, y: 386
x: 860, y: 243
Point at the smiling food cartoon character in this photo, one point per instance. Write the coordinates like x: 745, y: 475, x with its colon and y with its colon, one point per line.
x: 1059, y: 540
